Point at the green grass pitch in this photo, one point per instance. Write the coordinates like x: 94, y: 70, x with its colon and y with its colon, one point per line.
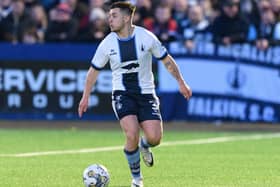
x: 240, y: 163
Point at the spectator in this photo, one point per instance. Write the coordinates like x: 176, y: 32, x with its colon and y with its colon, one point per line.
x: 97, y: 28
x: 216, y: 4
x: 163, y: 26
x: 39, y: 17
x: 137, y: 18
x: 30, y: 35
x: 230, y: 27
x: 96, y: 4
x: 268, y: 29
x: 49, y: 4
x: 253, y: 26
x: 196, y: 28
x: 62, y: 27
x: 209, y: 10
x: 5, y: 8
x: 29, y: 4
x: 145, y: 8
x: 249, y: 10
x: 80, y: 13
x: 169, y: 3
x: 13, y: 25
x: 275, y: 5
x: 181, y: 12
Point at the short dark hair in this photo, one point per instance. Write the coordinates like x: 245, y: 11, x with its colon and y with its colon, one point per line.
x: 126, y: 7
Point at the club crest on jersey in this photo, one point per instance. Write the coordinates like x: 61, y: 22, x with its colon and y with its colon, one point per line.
x: 112, y: 52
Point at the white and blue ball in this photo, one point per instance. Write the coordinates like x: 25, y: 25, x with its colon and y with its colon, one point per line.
x: 96, y: 175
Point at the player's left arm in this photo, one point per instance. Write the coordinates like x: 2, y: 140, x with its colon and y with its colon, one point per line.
x: 173, y: 69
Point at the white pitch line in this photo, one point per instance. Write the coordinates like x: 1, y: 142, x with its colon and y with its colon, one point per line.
x: 64, y: 152
x: 164, y: 144
x: 222, y: 139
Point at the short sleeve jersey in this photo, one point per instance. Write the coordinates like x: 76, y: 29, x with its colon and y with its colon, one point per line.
x: 130, y: 60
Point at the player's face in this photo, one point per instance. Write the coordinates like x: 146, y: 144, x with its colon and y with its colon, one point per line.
x: 116, y: 20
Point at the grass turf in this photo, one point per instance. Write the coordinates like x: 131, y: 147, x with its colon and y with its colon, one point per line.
x: 229, y: 164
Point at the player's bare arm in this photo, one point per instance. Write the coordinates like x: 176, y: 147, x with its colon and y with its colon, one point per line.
x: 90, y: 81
x: 172, y: 67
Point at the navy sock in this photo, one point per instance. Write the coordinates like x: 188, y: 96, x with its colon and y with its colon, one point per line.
x: 133, y: 159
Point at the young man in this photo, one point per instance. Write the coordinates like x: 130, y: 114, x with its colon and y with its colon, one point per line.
x: 129, y: 50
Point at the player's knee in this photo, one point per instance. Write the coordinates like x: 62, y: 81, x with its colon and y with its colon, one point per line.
x: 155, y: 140
x: 154, y: 143
x: 132, y: 137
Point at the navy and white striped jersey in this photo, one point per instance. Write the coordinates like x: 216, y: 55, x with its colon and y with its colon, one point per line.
x: 130, y: 60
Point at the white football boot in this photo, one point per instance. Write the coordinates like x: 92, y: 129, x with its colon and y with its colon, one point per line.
x: 147, y: 156
x: 137, y: 183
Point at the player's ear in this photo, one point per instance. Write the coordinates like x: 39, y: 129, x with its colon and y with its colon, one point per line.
x: 127, y: 18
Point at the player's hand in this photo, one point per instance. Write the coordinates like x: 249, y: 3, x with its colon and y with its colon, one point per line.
x: 185, y: 90
x: 83, y: 106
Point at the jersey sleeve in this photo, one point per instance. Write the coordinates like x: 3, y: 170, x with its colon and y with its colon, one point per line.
x: 100, y: 58
x: 158, y: 50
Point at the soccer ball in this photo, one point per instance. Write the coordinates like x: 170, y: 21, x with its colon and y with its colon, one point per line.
x: 96, y: 175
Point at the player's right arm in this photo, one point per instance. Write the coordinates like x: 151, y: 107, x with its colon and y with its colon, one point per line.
x: 97, y: 63
x: 90, y: 81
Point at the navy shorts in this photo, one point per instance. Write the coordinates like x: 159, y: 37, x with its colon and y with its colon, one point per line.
x: 144, y: 106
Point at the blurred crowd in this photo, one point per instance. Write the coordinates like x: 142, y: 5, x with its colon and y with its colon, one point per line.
x: 189, y: 21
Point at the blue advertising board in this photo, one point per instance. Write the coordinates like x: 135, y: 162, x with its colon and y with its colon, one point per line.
x: 229, y: 83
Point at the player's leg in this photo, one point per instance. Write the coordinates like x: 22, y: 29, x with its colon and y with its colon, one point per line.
x: 152, y: 136
x: 125, y: 109
x: 150, y: 121
x: 131, y: 130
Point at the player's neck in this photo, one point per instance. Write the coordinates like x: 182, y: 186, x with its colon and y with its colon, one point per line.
x: 126, y: 32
